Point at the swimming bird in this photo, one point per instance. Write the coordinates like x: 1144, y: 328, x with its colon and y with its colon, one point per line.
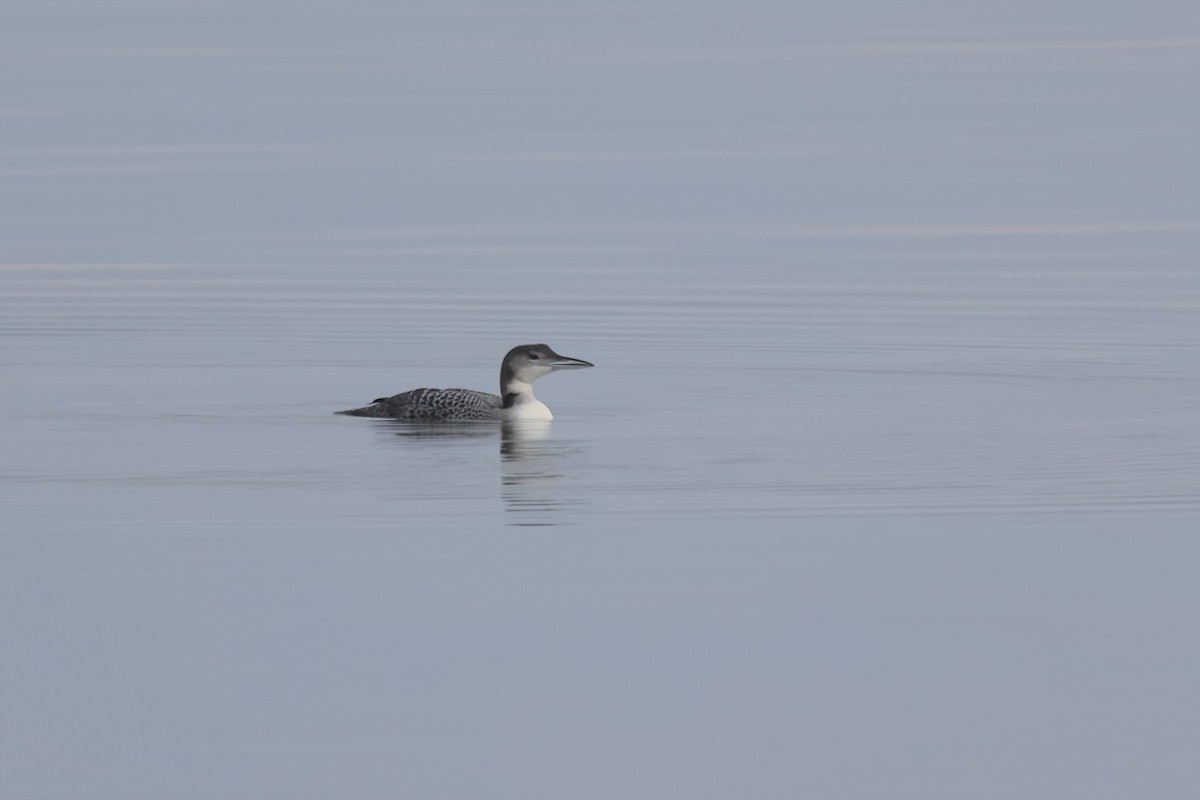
x: 523, y: 365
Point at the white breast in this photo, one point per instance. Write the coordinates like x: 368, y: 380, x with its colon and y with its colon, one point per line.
x: 530, y: 409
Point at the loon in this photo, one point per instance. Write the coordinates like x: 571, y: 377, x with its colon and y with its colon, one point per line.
x: 522, y: 366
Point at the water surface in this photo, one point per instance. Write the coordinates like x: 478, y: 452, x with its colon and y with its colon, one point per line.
x: 885, y: 482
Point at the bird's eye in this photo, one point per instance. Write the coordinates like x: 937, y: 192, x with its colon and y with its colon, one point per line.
x: 534, y: 357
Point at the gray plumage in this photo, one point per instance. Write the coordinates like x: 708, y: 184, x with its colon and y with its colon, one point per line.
x: 439, y: 404
x: 521, y: 366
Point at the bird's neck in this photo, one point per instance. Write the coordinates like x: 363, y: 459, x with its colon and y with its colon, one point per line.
x: 520, y: 404
x: 516, y: 392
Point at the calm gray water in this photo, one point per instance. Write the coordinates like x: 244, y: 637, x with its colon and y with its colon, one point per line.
x: 886, y: 482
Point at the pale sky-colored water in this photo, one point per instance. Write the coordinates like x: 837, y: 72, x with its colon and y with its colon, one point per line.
x: 885, y: 482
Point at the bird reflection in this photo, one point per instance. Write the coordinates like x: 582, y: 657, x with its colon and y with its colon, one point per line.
x: 531, y: 485
x: 429, y: 430
x: 531, y: 479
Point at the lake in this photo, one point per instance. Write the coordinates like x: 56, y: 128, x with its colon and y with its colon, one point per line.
x: 886, y: 482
